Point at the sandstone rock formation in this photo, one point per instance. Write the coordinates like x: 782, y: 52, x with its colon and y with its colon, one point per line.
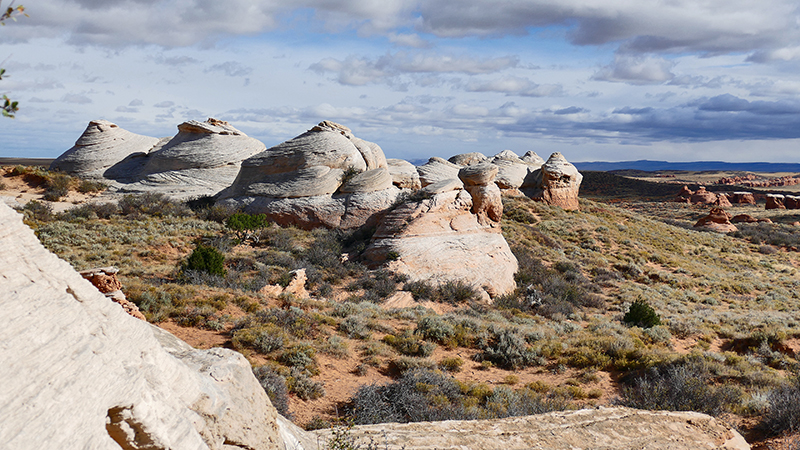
x: 747, y: 218
x: 106, y: 281
x: 102, y: 145
x: 556, y: 183
x: 80, y: 373
x: 324, y: 177
x: 716, y: 220
x: 791, y: 202
x: 436, y: 170
x: 596, y: 429
x: 446, y: 232
x: 296, y: 286
x: 404, y: 174
x: 465, y: 159
x: 742, y: 198
x: 685, y: 195
x: 775, y: 201
x: 703, y: 197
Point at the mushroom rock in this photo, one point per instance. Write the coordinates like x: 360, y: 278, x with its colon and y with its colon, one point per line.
x: 478, y: 180
x: 324, y: 177
x: 775, y: 201
x: 685, y: 195
x: 716, y: 220
x: 102, y: 145
x: 439, y: 238
x: 512, y: 170
x: 437, y: 169
x: 742, y: 198
x: 202, y: 159
x: 703, y: 197
x: 466, y: 159
x: 556, y: 183
x: 404, y: 174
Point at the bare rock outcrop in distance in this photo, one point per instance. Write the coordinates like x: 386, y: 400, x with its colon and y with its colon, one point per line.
x: 102, y: 145
x: 703, y: 197
x: 597, y: 429
x: 685, y: 195
x: 446, y: 232
x: 80, y: 373
x: 716, y: 220
x: 775, y: 201
x: 556, y: 183
x: 324, y: 177
x: 747, y: 218
x: 742, y: 198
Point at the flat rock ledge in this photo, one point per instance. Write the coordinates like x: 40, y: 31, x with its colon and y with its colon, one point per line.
x: 595, y: 429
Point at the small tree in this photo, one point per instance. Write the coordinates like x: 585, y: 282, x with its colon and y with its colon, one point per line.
x: 245, y: 226
x: 642, y: 315
x: 206, y: 259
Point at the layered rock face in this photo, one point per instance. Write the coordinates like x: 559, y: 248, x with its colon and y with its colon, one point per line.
x: 202, y: 159
x: 102, y: 145
x: 596, y: 429
x: 80, y: 373
x: 449, y: 233
x: 742, y: 198
x: 324, y: 177
x: 775, y: 201
x: 557, y: 183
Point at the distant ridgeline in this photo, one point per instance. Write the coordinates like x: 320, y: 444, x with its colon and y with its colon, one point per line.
x: 694, y: 166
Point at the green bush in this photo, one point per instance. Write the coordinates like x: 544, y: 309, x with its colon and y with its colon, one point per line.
x: 409, y: 344
x: 206, y: 259
x: 436, y: 329
x: 246, y: 226
x: 510, y: 351
x: 642, y: 315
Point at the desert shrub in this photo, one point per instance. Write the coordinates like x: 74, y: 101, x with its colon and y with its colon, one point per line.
x: 300, y: 356
x: 451, y: 364
x: 88, y: 186
x: 642, y: 315
x: 356, y: 327
x: 39, y: 211
x: 376, y: 285
x: 206, y: 259
x: 263, y: 338
x: 275, y: 386
x: 457, y: 291
x: 56, y: 186
x: 246, y: 226
x: 783, y: 409
x: 409, y: 344
x: 436, y: 329
x: 403, y: 364
x: 304, y: 387
x: 336, y: 347
x: 151, y: 204
x: 421, y: 290
x: 90, y: 211
x: 510, y: 351
x: 193, y: 316
x: 683, y: 385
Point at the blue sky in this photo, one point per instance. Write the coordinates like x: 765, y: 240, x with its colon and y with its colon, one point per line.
x: 601, y: 80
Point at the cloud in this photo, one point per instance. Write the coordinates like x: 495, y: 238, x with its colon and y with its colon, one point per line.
x: 174, y: 61
x: 136, y: 102
x: 76, y: 98
x: 164, y: 104
x: 779, y: 54
x: 636, y: 70
x: 512, y: 85
x: 126, y: 109
x: 231, y: 69
x: 409, y: 40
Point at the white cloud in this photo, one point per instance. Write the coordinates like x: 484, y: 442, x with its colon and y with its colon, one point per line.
x: 409, y: 40
x: 636, y: 70
x: 231, y: 69
x: 512, y: 85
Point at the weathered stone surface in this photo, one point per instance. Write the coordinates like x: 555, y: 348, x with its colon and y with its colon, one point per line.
x: 742, y: 198
x: 465, y: 159
x: 532, y: 158
x: 479, y: 182
x: 299, y: 182
x: 791, y: 202
x: 722, y: 201
x: 439, y: 239
x: 685, y: 195
x: 102, y: 145
x: 80, y: 373
x: 508, y: 155
x: 703, y: 197
x: 775, y: 201
x: 296, y: 287
x: 556, y: 183
x: 369, y: 181
x: 106, y: 281
x: 596, y: 429
x: 716, y: 220
x: 747, y: 218
x: 404, y: 174
x: 478, y: 174
x: 437, y: 169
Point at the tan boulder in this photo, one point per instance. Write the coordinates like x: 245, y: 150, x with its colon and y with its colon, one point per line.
x: 599, y: 428
x: 80, y: 373
x: 296, y: 286
x: 437, y: 169
x: 530, y: 157
x: 742, y: 198
x: 722, y: 201
x: 556, y: 183
x: 478, y: 180
x: 685, y: 195
x: 703, y: 197
x: 404, y: 174
x: 465, y: 159
x: 716, y: 220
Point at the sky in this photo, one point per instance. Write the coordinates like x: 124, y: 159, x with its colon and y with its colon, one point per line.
x: 597, y: 80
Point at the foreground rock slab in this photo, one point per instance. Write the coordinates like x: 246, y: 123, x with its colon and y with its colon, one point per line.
x: 595, y: 429
x: 78, y: 372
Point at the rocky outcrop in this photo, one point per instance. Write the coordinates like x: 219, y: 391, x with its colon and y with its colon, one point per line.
x: 596, y: 429
x: 102, y: 145
x: 404, y: 174
x: 106, y: 281
x: 436, y: 170
x: 747, y: 218
x: 324, y: 177
x: 465, y: 159
x: 716, y: 220
x: 742, y: 198
x: 80, y: 373
x: 447, y: 232
x: 775, y: 201
x: 685, y: 195
x: 703, y: 197
x: 722, y: 200
x: 556, y: 183
x: 296, y: 286
x: 791, y: 202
